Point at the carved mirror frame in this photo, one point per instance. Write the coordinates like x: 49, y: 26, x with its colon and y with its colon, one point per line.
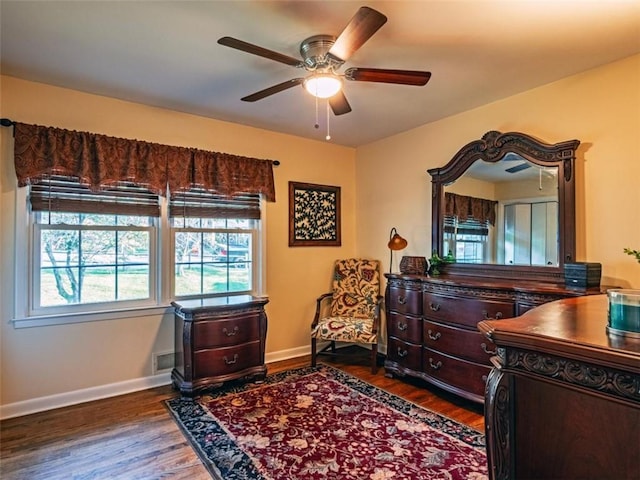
x: 492, y: 148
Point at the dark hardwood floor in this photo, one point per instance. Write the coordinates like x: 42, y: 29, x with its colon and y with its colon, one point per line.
x: 134, y: 437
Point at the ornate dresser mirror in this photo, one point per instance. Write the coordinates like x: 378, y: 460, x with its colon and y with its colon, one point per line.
x: 526, y: 189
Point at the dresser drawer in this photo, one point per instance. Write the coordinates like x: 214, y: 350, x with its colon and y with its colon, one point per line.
x: 220, y: 333
x: 405, y: 327
x: 455, y: 372
x: 404, y: 300
x: 222, y: 361
x: 464, y: 311
x: 458, y: 342
x: 405, y: 354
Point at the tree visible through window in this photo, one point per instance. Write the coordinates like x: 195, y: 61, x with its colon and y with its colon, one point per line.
x: 94, y: 249
x: 87, y: 258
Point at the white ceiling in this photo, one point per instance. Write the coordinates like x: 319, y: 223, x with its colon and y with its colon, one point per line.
x: 164, y: 53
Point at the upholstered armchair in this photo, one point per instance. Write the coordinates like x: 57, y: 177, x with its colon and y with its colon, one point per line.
x: 353, y: 315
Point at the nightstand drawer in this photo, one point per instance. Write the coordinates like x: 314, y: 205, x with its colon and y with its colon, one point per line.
x: 453, y: 372
x: 220, y: 333
x: 458, y: 342
x: 403, y: 300
x: 406, y: 354
x: 464, y: 311
x: 222, y: 361
x: 405, y: 327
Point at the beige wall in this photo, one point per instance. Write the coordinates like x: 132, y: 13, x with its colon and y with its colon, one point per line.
x: 44, y: 361
x: 600, y: 107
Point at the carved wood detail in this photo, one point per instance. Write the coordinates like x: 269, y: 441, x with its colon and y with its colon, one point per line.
x: 493, y: 147
x: 594, y: 377
x: 498, y: 425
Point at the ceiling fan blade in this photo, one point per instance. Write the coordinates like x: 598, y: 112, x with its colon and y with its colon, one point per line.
x: 271, y: 90
x: 403, y: 77
x: 360, y: 28
x: 261, y: 52
x: 518, y: 168
x: 339, y: 104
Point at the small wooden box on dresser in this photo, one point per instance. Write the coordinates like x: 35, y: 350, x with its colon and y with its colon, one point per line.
x: 217, y: 340
x: 432, y: 323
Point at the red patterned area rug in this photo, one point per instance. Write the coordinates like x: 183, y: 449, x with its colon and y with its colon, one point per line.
x: 321, y: 423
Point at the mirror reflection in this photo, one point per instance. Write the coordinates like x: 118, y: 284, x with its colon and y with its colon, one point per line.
x: 503, y: 212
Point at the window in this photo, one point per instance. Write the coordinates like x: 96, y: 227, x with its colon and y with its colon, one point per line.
x: 466, y: 239
x: 98, y: 251
x: 213, y: 238
x: 90, y: 258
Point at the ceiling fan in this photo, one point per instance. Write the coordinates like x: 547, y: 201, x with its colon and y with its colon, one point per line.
x: 513, y: 157
x: 323, y: 55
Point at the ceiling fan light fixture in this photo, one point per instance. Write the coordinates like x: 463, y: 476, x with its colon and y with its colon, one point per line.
x: 323, y: 85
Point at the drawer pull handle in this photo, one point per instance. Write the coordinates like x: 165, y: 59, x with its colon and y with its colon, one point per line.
x: 231, y: 362
x: 402, y: 300
x: 402, y: 326
x: 435, y: 366
x: 434, y: 307
x: 486, y: 316
x: 232, y: 333
x: 486, y: 350
x: 432, y: 336
x: 402, y: 353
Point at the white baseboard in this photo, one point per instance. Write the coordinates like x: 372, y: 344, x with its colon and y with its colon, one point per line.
x: 65, y: 399
x: 287, y: 354
x: 75, y: 397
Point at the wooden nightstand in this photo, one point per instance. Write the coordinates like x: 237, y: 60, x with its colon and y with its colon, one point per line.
x: 217, y: 340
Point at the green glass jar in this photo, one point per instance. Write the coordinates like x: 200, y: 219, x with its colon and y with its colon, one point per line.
x: 624, y: 312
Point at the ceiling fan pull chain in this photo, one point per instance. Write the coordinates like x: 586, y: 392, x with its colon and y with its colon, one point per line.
x: 328, y: 137
x: 540, y: 179
x: 317, y: 125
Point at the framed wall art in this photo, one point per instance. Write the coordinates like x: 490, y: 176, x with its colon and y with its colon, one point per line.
x: 314, y: 215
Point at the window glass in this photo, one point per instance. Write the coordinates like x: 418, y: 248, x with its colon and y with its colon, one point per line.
x: 213, y: 259
x: 466, y: 239
x: 91, y: 259
x: 93, y: 252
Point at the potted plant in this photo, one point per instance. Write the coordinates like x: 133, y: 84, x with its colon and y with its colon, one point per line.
x: 436, y: 262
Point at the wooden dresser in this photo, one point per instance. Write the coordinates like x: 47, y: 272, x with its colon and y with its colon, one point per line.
x: 218, y: 339
x: 432, y: 325
x: 563, y: 400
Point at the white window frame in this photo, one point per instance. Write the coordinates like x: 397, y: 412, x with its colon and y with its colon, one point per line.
x: 254, y: 273
x: 162, y: 265
x: 35, y: 309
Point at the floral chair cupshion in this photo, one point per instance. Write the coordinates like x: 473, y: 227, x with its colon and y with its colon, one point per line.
x: 354, y: 314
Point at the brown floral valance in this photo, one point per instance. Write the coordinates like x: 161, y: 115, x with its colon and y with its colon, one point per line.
x: 101, y: 161
x: 464, y: 207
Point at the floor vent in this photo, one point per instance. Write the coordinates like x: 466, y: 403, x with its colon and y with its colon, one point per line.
x: 162, y: 362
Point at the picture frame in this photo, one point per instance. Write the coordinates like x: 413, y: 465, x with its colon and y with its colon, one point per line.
x: 314, y: 215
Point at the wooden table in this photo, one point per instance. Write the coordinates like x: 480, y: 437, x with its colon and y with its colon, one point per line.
x: 563, y: 398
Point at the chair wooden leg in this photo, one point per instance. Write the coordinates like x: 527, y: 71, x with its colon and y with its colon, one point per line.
x: 374, y: 358
x: 313, y: 351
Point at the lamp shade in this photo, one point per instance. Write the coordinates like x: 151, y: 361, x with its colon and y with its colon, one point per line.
x: 396, y: 242
x: 323, y: 85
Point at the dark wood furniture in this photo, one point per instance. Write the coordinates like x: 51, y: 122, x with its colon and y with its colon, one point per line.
x: 218, y: 339
x: 563, y: 400
x: 432, y: 325
x: 494, y: 147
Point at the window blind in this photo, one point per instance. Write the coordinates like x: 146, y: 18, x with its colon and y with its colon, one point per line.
x: 469, y: 226
x: 59, y: 193
x: 200, y: 203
